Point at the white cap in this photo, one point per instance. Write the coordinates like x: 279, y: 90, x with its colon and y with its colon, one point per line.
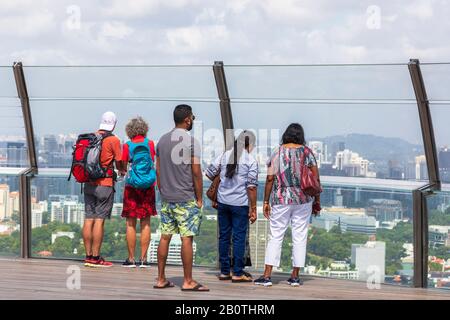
x: 108, y: 122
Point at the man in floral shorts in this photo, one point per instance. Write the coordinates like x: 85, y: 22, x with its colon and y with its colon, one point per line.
x: 180, y: 183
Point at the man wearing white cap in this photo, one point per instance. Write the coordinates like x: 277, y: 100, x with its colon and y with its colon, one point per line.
x: 99, y: 195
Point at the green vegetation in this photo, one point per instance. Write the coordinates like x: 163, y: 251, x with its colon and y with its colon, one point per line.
x: 395, y: 239
x: 323, y: 247
x: 334, y: 244
x: 440, y: 218
x: 10, y: 245
x: 440, y: 252
x: 206, y: 254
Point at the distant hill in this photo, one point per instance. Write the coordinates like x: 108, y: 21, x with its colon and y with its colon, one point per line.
x: 375, y: 148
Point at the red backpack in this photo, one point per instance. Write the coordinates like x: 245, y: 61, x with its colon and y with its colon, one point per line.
x: 86, y: 164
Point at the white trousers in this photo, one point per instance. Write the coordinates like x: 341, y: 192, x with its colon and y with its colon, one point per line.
x: 283, y: 215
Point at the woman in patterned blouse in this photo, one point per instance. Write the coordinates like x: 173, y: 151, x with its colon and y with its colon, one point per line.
x: 285, y: 203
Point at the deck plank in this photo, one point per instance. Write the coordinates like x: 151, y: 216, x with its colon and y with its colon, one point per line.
x: 46, y: 279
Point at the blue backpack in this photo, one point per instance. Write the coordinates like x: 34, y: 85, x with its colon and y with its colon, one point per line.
x: 142, y: 173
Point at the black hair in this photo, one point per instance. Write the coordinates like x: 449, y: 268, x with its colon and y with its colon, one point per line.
x: 244, y: 140
x: 181, y: 112
x: 294, y: 134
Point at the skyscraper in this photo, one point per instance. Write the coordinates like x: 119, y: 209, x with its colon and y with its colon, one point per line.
x: 4, y: 201
x: 444, y: 164
x: 16, y: 154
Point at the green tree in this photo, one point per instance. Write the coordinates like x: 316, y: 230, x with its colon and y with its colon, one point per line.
x: 439, y: 218
x: 206, y: 242
x: 10, y: 245
x: 62, y: 247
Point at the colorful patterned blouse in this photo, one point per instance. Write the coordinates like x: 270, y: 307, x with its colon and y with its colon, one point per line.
x: 285, y: 164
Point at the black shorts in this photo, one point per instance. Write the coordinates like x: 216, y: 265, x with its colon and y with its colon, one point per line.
x: 98, y: 201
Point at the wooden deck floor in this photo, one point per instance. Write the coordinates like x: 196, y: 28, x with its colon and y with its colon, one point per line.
x: 46, y: 279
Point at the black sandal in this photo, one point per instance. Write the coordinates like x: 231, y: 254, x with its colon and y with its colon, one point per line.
x: 196, y: 288
x: 168, y: 284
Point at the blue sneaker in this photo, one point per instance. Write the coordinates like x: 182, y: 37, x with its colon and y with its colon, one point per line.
x: 262, y: 281
x: 294, y: 282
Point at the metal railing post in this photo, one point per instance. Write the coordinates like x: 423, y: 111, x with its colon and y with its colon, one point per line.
x: 25, y: 176
x: 226, y: 116
x: 420, y: 208
x: 225, y: 105
x: 26, y: 112
x: 25, y: 213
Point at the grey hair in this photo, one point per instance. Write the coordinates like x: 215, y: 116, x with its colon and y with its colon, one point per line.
x: 135, y: 127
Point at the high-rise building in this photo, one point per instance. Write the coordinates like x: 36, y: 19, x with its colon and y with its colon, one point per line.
x: 421, y: 168
x: 14, y: 204
x: 444, y: 164
x: 4, y: 201
x: 67, y: 211
x: 395, y: 170
x: 174, y: 256
x: 50, y: 144
x: 37, y: 211
x: 352, y: 164
x: 444, y: 158
x: 318, y: 149
x: 16, y: 154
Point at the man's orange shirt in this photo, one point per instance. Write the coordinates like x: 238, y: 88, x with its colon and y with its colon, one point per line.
x: 111, y: 150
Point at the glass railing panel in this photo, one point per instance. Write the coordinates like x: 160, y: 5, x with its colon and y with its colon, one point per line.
x: 440, y: 113
x: 320, y: 82
x: 57, y: 124
x: 7, y: 83
x: 364, y: 233
x: 121, y: 82
x: 439, y: 239
x: 59, y: 216
x: 436, y: 77
x: 9, y: 212
x: 13, y: 147
x: 382, y: 141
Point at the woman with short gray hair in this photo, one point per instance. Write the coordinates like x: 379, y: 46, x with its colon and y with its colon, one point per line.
x: 138, y: 156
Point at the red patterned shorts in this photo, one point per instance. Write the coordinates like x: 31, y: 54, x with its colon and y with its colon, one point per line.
x: 138, y: 203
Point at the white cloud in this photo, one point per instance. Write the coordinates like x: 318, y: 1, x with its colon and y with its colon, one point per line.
x: 44, y: 57
x: 193, y: 39
x: 115, y: 29
x: 421, y: 9
x: 236, y: 31
x: 28, y: 25
x: 288, y: 9
x: 141, y: 8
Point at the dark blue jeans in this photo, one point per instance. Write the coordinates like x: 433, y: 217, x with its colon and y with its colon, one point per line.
x: 233, y: 222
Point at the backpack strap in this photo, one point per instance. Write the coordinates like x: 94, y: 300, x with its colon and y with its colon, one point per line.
x: 105, y: 134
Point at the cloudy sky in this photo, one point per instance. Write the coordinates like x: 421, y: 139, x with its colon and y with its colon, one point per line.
x: 236, y: 31
x: 172, y: 32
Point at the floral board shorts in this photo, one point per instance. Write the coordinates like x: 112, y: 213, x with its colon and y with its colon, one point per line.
x: 182, y: 218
